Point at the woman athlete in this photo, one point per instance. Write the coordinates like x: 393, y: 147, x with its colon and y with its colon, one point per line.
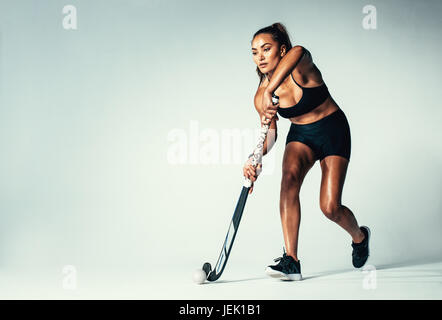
x: 319, y: 130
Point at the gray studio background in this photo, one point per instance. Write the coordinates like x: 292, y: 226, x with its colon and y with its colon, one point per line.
x: 86, y: 117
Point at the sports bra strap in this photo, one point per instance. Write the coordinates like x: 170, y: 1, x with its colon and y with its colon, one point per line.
x: 295, y: 81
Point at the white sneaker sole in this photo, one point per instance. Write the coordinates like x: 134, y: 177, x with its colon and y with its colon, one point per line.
x: 283, y: 276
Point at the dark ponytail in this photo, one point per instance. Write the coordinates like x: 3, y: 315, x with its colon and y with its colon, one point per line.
x: 280, y: 35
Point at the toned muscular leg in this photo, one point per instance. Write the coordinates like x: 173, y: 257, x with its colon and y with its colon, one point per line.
x: 298, y: 160
x: 334, y: 170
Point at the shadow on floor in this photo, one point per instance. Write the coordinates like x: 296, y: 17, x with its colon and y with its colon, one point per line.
x: 238, y: 280
x: 327, y: 273
x: 408, y: 263
x: 399, y: 264
x: 394, y: 265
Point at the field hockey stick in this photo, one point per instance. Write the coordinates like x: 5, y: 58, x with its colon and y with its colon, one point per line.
x: 213, y: 275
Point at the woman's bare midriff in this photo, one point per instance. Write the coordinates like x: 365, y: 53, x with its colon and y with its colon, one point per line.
x: 327, y: 107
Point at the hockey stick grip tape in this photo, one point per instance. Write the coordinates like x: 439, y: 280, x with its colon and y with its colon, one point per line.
x: 257, y: 152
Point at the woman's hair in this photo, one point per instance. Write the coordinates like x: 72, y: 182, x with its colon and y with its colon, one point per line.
x: 279, y: 34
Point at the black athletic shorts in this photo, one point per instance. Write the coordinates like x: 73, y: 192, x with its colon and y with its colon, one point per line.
x: 327, y: 136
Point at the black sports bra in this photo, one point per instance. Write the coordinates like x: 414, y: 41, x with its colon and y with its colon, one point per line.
x: 311, y: 98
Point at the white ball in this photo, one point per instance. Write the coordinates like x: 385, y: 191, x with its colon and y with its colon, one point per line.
x: 199, y: 276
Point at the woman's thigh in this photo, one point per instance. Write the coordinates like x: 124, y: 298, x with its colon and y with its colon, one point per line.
x: 297, y: 161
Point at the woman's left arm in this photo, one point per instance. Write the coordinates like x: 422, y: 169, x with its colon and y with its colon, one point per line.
x: 285, y: 66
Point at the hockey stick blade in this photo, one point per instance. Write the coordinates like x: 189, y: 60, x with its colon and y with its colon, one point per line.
x: 230, y: 238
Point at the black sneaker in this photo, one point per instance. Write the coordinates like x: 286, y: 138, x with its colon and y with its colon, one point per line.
x: 360, y: 250
x: 287, y: 268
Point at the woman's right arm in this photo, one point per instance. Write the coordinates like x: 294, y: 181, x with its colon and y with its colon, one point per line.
x: 272, y: 135
x: 249, y: 171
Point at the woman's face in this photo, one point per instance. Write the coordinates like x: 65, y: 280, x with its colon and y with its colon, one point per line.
x: 266, y: 52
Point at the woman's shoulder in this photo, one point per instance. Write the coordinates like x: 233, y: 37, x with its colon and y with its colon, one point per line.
x: 260, y: 90
x: 306, y: 57
x: 306, y: 70
x: 262, y: 86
